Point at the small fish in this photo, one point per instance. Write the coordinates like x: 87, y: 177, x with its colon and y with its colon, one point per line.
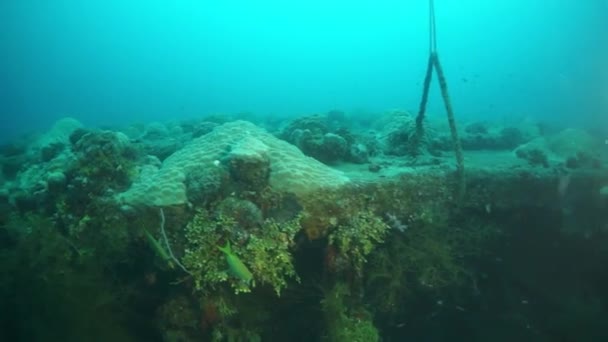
x: 237, y: 267
x: 159, y: 249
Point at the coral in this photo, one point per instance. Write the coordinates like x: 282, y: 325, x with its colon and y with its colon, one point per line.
x: 571, y: 141
x: 322, y: 211
x: 155, y: 130
x: 105, y: 161
x: 359, y: 153
x: 202, y: 128
x: 316, y: 125
x: 535, y: 157
x: 160, y: 140
x: 387, y: 282
x: 178, y: 320
x: 396, y: 128
x: 583, y: 160
x: 575, y: 148
x: 79, y: 193
x: 424, y: 198
x: 236, y: 318
x: 237, y: 185
x: 38, y: 171
x: 325, y: 211
x: 484, y: 136
x: 323, y: 139
x: 225, y: 332
x: 246, y: 214
x: 268, y: 255
x: 511, y: 137
x: 477, y: 128
x: 201, y: 255
x: 291, y: 170
x: 346, y: 323
x: 395, y: 223
x: 426, y: 258
x: 333, y: 148
x: 49, y: 152
x: 58, y: 134
x: 264, y: 250
x: 205, y: 185
x: 53, y: 290
x: 97, y: 227
x: 249, y: 164
x: 56, y: 182
x: 11, y: 165
x: 357, y: 238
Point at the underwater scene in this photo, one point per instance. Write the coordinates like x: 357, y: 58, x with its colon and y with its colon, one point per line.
x: 424, y: 171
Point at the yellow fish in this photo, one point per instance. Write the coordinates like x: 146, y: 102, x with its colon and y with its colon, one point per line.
x: 237, y: 267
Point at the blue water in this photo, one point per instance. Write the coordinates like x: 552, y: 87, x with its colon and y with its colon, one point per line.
x: 113, y: 62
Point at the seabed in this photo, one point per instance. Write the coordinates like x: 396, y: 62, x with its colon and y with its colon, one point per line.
x: 337, y: 232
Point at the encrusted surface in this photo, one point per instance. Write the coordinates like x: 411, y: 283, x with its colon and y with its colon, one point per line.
x: 291, y: 170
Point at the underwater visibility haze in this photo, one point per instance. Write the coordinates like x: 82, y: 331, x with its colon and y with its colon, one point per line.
x: 109, y: 62
x: 304, y: 171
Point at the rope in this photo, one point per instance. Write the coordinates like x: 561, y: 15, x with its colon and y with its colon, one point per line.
x: 416, y: 139
x: 433, y: 63
x: 162, y: 229
x: 452, y: 122
x: 432, y: 35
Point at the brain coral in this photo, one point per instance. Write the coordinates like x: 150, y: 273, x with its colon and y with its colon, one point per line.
x: 290, y: 170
